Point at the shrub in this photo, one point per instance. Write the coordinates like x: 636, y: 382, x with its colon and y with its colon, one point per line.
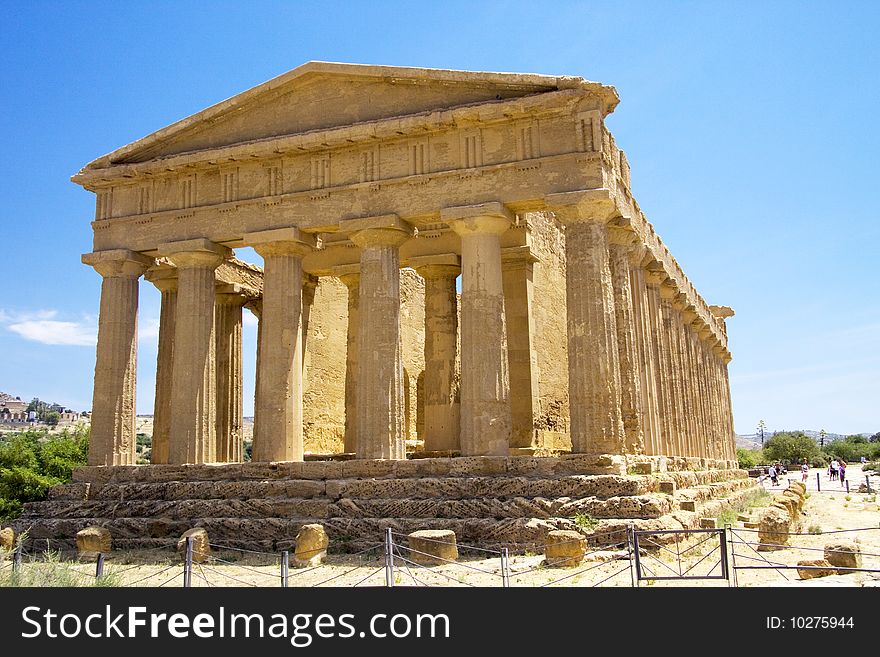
x: 748, y: 458
x: 32, y: 461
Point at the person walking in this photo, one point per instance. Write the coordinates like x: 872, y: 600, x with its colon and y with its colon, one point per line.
x: 841, y: 471
x: 805, y: 469
x: 773, y: 475
x: 832, y: 473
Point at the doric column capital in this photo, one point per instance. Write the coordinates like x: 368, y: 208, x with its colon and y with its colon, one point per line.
x: 583, y: 205
x: 198, y: 252
x: 491, y: 218
x: 381, y: 230
x: 436, y: 266
x: 163, y: 275
x: 280, y: 241
x: 230, y: 294
x: 668, y: 289
x: 118, y: 263
x: 350, y: 275
x: 621, y: 234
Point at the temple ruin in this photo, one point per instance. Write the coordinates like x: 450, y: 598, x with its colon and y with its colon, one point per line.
x: 577, y: 345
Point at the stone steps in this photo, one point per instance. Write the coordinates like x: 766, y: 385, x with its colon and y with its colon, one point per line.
x: 487, y: 502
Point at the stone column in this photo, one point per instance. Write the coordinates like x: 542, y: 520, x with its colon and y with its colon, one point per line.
x: 485, y: 383
x: 660, y: 346
x: 310, y: 286
x: 350, y: 275
x: 278, y: 436
x: 379, y: 395
x: 256, y: 308
x: 620, y: 251
x: 442, y: 410
x: 647, y: 360
x: 230, y: 404
x: 593, y: 357
x: 165, y: 279
x: 113, y: 439
x: 193, y: 400
x: 677, y: 441
x: 517, y: 265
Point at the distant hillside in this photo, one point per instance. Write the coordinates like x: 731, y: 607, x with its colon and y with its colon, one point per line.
x: 753, y: 440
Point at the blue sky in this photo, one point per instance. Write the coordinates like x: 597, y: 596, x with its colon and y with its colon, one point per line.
x: 751, y: 128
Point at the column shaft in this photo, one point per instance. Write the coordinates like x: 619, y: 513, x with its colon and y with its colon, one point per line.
x: 379, y: 394
x: 230, y: 406
x: 442, y: 412
x: 593, y: 365
x: 193, y: 430
x: 113, y: 439
x: 485, y: 378
x: 279, y: 407
x: 627, y: 349
x: 352, y: 282
x: 164, y: 376
x: 647, y: 361
x: 521, y: 354
x: 677, y: 440
x: 661, y: 345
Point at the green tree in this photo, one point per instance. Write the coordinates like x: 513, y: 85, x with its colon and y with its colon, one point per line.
x: 748, y: 458
x: 790, y: 447
x: 52, y: 418
x: 31, y: 462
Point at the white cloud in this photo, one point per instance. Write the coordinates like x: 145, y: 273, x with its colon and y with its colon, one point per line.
x: 43, y: 327
x: 148, y: 329
x: 55, y: 332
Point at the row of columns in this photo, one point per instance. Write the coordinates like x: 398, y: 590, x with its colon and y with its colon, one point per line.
x: 644, y: 376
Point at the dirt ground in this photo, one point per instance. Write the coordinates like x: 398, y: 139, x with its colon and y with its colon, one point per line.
x: 828, y: 510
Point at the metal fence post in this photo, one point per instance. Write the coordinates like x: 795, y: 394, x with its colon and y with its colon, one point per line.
x: 868, y: 482
x: 285, y: 567
x: 99, y: 566
x: 16, y: 559
x: 505, y: 568
x: 732, y: 580
x: 847, y: 486
x: 188, y: 563
x: 630, y: 538
x: 389, y: 558
x: 818, y: 484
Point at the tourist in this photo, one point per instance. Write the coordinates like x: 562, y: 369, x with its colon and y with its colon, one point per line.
x: 805, y: 469
x: 841, y: 471
x: 832, y: 473
x: 774, y: 479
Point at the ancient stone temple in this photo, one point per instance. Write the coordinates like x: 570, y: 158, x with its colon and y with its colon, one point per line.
x: 576, y: 335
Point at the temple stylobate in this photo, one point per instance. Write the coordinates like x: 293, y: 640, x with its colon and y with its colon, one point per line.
x: 575, y: 328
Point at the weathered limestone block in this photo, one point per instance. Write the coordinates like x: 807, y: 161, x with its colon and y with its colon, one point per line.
x: 311, y: 546
x: 667, y: 486
x: 799, y: 487
x: 707, y: 523
x: 201, y: 550
x: 75, y: 491
x: 824, y: 568
x: 843, y: 554
x: 7, y: 538
x: 564, y: 548
x: 774, y: 528
x: 688, y: 505
x: 92, y: 540
x: 430, y: 547
x: 643, y: 468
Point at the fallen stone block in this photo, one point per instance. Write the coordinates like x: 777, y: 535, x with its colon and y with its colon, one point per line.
x: 564, y: 548
x: 432, y: 547
x: 311, y: 546
x: 201, y: 549
x: 707, y: 523
x: 819, y: 568
x: 687, y: 505
x: 774, y: 528
x: 843, y: 554
x: 92, y: 540
x: 7, y: 539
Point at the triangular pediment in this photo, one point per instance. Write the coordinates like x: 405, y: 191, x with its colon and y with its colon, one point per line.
x: 321, y: 95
